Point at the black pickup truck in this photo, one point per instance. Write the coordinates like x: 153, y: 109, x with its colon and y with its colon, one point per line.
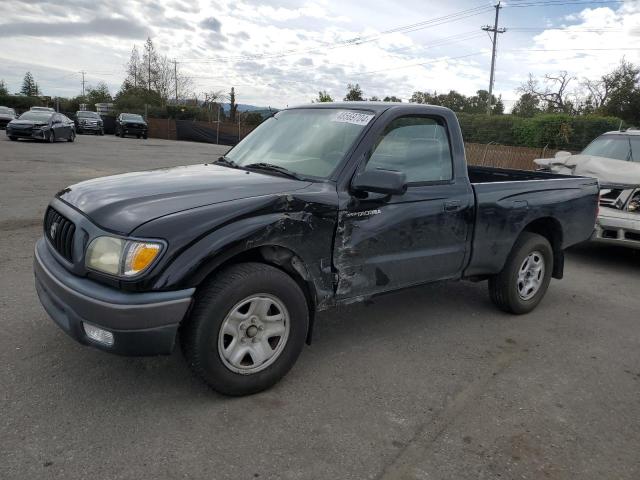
x: 321, y: 205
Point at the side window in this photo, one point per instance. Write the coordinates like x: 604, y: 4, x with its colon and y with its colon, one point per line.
x: 417, y: 146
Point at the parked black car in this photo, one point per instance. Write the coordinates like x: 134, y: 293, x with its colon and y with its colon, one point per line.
x: 42, y: 125
x: 87, y: 121
x: 131, y: 124
x: 6, y: 115
x: 320, y: 206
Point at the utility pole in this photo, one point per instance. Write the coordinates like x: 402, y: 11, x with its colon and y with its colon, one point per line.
x: 218, y: 126
x: 495, y: 30
x: 175, y: 77
x: 83, y: 74
x: 149, y: 64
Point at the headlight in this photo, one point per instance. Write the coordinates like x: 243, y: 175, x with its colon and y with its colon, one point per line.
x: 120, y: 257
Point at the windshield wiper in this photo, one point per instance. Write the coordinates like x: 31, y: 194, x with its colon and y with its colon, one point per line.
x: 227, y: 162
x: 273, y: 168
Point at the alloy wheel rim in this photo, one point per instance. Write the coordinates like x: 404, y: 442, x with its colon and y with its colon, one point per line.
x: 530, y: 275
x: 253, y: 334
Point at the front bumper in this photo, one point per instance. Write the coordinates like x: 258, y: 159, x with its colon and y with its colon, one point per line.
x: 89, y: 128
x: 37, y: 134
x: 617, y: 227
x: 141, y: 323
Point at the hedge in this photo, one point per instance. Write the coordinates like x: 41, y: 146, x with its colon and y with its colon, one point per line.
x: 557, y: 131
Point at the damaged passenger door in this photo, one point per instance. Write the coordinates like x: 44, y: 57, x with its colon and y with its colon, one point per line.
x: 386, y: 241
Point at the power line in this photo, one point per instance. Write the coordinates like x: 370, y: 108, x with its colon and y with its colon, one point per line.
x: 359, y: 40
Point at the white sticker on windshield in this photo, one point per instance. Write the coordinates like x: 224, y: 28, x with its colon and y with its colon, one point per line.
x: 356, y: 118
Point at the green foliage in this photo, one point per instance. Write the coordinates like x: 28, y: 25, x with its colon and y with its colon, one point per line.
x: 233, y: 106
x: 391, y: 98
x: 133, y: 99
x: 29, y: 86
x: 354, y: 93
x: 458, y: 102
x: 527, y: 105
x: 556, y: 130
x: 252, y: 118
x: 323, y: 97
x: 98, y: 94
x: 4, y: 91
x: 21, y: 103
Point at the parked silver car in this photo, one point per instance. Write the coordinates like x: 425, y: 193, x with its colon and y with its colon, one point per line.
x: 614, y: 159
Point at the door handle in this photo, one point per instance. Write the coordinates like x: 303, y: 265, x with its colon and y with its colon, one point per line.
x: 452, y: 206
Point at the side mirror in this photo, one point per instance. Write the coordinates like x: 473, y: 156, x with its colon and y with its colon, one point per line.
x: 389, y: 182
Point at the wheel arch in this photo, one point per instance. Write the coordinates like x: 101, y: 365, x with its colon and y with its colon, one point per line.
x: 551, y: 229
x: 275, y: 255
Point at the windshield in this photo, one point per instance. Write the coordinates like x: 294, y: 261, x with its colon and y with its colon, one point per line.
x: 618, y: 147
x: 132, y: 116
x: 309, y: 142
x: 6, y: 111
x: 87, y: 114
x: 36, y: 116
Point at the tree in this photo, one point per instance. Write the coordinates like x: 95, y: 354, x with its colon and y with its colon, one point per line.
x: 156, y: 73
x: 354, y: 93
x: 134, y: 99
x: 374, y: 99
x: 3, y: 88
x: 134, y: 68
x: 149, y: 63
x: 527, y: 106
x: 213, y: 106
x: 323, y: 97
x: 251, y: 118
x: 233, y: 107
x: 392, y: 98
x: 29, y: 86
x: 98, y: 94
x: 620, y: 95
x: 553, y: 93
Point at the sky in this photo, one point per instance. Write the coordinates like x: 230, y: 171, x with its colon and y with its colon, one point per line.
x: 282, y: 52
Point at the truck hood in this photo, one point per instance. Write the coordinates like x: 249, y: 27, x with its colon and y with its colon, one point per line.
x: 606, y: 170
x: 120, y: 203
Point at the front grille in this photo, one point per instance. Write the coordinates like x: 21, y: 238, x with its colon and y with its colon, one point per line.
x: 60, y: 232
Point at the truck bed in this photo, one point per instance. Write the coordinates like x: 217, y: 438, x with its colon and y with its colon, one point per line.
x: 505, y: 205
x: 491, y: 175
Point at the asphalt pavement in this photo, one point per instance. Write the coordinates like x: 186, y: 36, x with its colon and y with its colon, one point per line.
x: 428, y: 383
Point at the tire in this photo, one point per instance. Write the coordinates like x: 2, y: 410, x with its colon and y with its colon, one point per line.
x: 52, y: 137
x: 138, y: 136
x: 512, y: 290
x: 101, y: 133
x: 12, y: 138
x: 235, y: 289
x: 72, y: 136
x: 144, y: 137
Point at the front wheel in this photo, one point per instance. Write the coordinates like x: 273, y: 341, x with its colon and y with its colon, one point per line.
x: 72, y: 136
x: 52, y: 137
x: 525, y: 277
x: 12, y: 138
x: 247, y: 328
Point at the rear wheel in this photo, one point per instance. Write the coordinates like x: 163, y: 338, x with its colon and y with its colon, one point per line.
x: 72, y: 136
x: 525, y: 277
x: 246, y: 330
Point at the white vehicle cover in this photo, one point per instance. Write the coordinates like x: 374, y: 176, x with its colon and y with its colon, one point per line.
x: 607, y: 170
